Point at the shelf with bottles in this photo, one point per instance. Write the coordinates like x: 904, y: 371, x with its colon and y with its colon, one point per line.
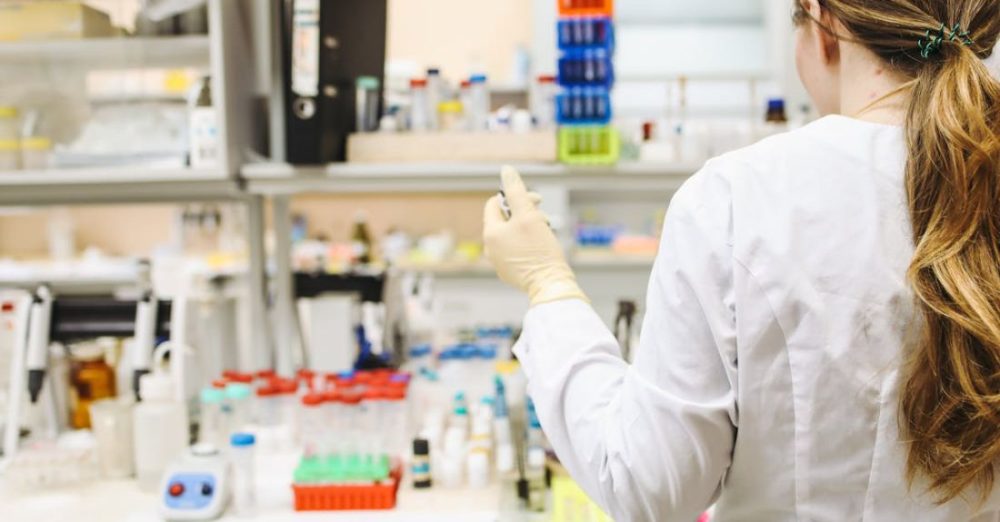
x: 91, y: 34
x: 115, y: 86
x: 121, y: 118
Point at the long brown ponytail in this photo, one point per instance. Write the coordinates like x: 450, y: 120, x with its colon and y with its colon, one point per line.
x: 950, y: 392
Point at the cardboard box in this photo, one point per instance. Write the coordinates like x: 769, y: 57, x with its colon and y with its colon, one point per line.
x: 52, y: 20
x: 496, y: 147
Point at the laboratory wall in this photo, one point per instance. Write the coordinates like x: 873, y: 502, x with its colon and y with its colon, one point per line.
x: 492, y: 48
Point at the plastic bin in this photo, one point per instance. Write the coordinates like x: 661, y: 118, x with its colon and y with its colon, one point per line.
x: 586, y: 68
x: 583, y: 106
x: 589, y: 145
x: 585, y: 33
x: 586, y: 7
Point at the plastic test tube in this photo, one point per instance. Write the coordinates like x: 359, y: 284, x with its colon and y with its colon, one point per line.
x: 267, y: 411
x: 351, y: 401
x: 238, y: 395
x: 312, y: 425
x: 334, y: 425
x: 479, y: 95
x: 374, y: 428
x: 399, y: 413
x: 287, y: 388
x: 420, y: 117
x: 242, y: 449
x: 211, y: 426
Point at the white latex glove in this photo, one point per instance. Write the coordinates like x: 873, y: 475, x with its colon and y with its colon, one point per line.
x: 523, y: 249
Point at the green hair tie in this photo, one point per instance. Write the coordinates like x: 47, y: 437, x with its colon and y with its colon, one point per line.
x: 961, y: 35
x: 931, y: 43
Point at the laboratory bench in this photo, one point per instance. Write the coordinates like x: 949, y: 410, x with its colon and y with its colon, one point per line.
x: 122, y: 500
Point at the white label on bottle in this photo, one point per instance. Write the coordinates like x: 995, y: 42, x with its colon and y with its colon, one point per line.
x: 204, y: 137
x: 305, y: 47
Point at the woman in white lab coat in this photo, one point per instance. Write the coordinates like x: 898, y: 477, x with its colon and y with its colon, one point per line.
x: 822, y: 333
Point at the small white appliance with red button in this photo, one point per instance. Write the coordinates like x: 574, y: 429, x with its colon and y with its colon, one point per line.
x: 197, y: 487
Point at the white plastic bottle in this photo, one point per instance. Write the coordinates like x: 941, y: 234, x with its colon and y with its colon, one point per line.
x: 479, y: 96
x: 203, y: 131
x: 160, y: 429
x: 242, y: 454
x: 420, y: 118
x: 435, y: 95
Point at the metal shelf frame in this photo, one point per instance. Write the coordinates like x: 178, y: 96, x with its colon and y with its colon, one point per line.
x: 116, y: 185
x: 279, y: 179
x: 123, y: 52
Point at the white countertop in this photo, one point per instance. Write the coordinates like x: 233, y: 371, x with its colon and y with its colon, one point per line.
x: 110, y: 501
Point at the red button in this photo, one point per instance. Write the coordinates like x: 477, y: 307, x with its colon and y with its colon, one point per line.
x: 176, y: 489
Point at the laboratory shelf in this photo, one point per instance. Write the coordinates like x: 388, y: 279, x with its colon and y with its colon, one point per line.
x: 74, y: 276
x: 589, y: 262
x: 115, y: 185
x: 157, y: 51
x: 276, y: 179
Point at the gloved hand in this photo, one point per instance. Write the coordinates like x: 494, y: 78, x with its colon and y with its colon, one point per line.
x: 523, y: 249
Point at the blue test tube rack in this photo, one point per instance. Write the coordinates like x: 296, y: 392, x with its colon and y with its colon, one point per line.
x: 586, y: 76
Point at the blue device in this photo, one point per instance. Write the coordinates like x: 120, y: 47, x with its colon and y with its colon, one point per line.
x: 197, y: 486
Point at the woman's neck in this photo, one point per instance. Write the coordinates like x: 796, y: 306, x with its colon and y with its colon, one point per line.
x: 870, y: 91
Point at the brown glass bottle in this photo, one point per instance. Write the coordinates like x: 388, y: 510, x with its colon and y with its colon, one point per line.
x: 91, y: 379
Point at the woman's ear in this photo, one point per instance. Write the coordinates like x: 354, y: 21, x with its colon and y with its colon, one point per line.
x: 828, y: 39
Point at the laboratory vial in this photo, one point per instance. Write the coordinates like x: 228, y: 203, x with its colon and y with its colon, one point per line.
x: 211, y: 424
x: 543, y: 101
x: 333, y: 409
x: 454, y: 456
x: 367, y: 100
x: 477, y: 469
x: 242, y: 455
x: 420, y: 464
x: 354, y: 434
x: 240, y: 408
x: 436, y: 93
x: 479, y: 101
x: 399, y: 408
x: 535, y: 474
x: 375, y: 428
x: 286, y: 395
x: 420, y: 117
x: 267, y: 411
x: 312, y: 425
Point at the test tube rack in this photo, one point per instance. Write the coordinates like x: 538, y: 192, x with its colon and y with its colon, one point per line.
x: 586, y: 41
x: 349, y: 496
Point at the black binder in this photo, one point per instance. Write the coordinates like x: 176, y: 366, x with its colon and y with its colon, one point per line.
x: 326, y: 46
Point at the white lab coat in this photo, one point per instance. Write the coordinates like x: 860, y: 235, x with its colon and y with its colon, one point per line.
x: 767, y: 373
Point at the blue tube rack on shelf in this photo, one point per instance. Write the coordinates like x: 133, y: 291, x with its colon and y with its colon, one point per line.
x: 585, y: 33
x: 586, y: 68
x: 583, y: 106
x: 585, y: 37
